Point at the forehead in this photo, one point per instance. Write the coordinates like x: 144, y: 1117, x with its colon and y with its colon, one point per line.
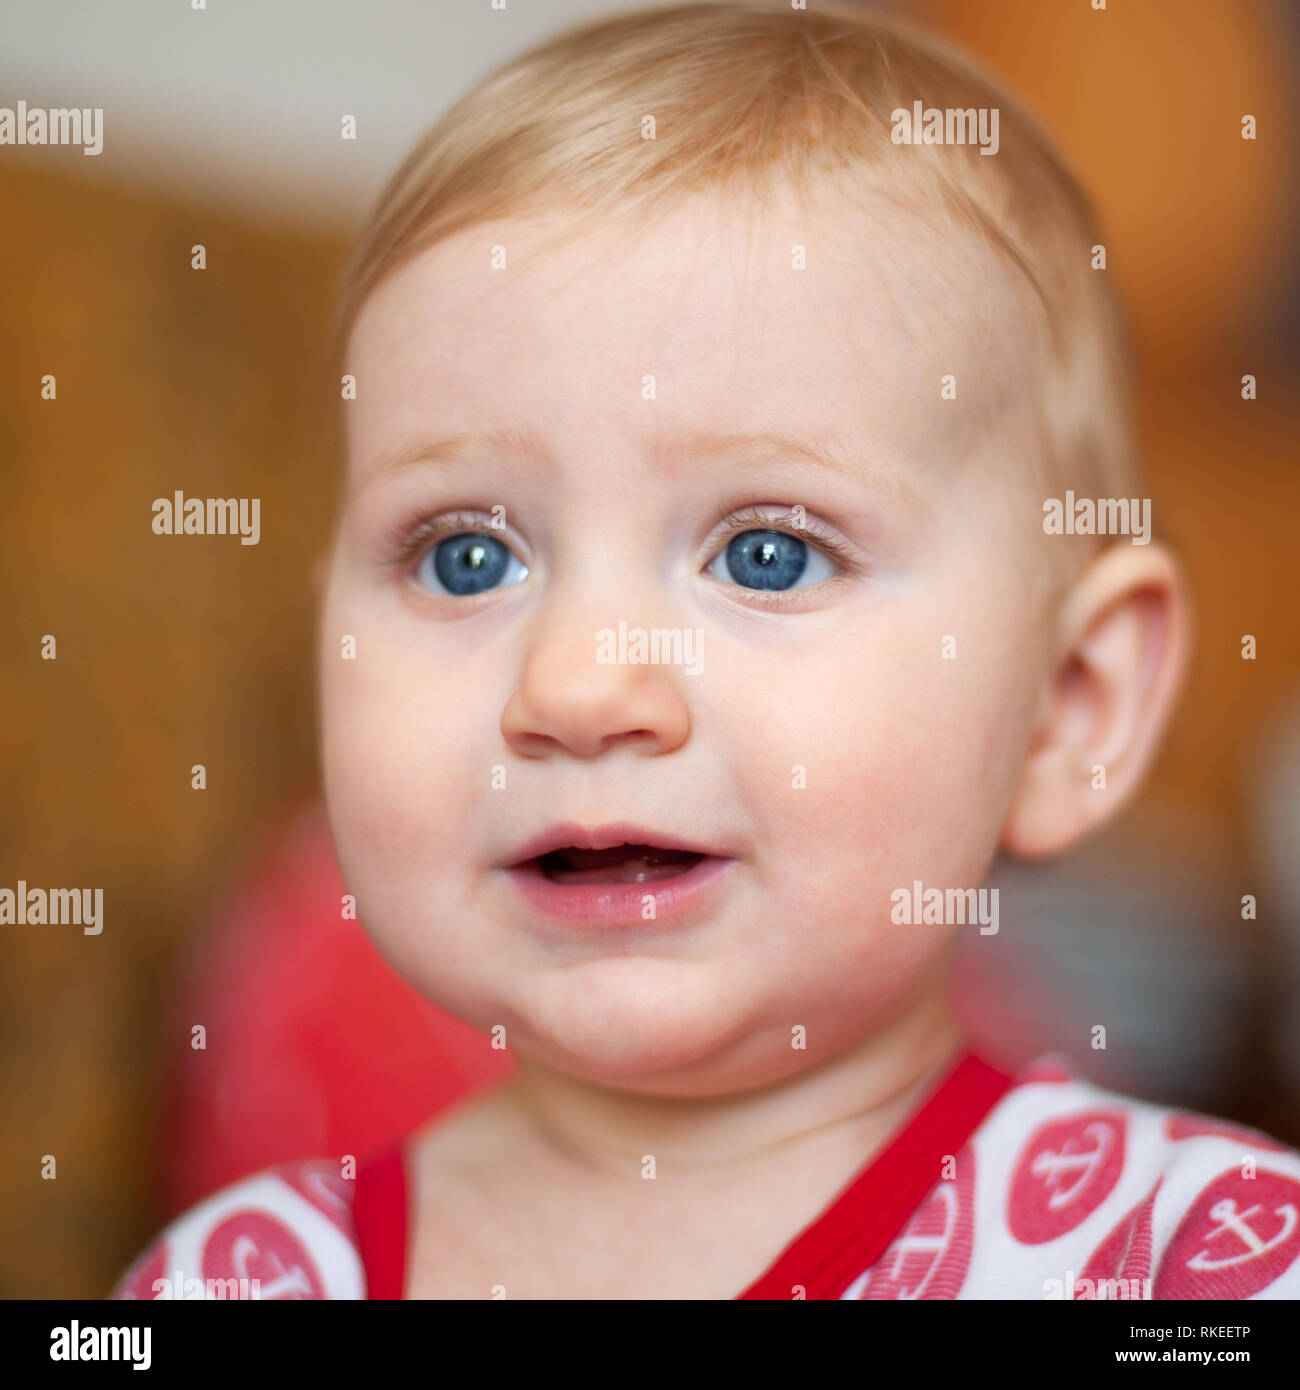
x: 834, y: 320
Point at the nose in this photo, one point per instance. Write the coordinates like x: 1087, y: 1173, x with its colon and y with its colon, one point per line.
x: 568, y: 701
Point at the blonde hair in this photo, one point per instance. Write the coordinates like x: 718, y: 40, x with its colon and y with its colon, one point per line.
x: 748, y: 93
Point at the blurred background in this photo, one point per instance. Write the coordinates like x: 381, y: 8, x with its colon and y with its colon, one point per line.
x: 221, y: 907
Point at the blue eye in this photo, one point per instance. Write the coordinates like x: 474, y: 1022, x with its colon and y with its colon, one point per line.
x: 772, y: 560
x: 468, y: 563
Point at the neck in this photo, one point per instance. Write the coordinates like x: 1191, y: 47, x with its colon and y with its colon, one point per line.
x: 848, y: 1105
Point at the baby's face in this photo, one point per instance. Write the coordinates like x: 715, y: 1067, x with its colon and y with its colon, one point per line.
x: 852, y: 697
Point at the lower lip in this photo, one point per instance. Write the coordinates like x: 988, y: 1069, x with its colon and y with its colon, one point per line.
x: 619, y: 904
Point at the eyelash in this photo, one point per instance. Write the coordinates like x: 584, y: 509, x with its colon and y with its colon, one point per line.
x: 750, y: 518
x: 410, y: 537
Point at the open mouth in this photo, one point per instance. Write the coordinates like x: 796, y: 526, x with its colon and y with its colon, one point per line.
x: 621, y: 864
x: 616, y: 875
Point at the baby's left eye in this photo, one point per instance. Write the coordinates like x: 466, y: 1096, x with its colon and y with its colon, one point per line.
x: 772, y: 560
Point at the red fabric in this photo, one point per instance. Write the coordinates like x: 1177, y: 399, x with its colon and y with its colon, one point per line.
x: 856, y: 1229
x: 379, y: 1207
x: 848, y: 1237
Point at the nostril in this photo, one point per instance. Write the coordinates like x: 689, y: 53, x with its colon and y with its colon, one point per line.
x: 628, y: 736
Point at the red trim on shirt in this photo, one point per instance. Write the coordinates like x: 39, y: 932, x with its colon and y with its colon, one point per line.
x: 850, y: 1235
x: 858, y: 1226
x: 379, y: 1209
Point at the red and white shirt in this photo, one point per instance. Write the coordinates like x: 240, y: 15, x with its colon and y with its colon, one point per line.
x: 1041, y: 1186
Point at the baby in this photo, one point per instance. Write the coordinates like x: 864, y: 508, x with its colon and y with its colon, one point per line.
x: 741, y: 544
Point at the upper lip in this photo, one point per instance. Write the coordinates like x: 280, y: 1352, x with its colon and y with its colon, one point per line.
x: 573, y: 836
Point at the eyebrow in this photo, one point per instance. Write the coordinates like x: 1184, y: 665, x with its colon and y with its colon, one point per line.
x: 677, y: 454
x: 459, y: 448
x: 753, y: 448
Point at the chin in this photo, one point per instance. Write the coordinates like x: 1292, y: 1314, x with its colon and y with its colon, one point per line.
x: 651, y: 1038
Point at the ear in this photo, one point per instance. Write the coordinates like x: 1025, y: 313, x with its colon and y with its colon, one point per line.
x: 1119, y: 653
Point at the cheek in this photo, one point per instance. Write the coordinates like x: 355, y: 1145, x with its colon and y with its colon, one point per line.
x: 397, y: 741
x: 906, y: 760
x: 402, y: 790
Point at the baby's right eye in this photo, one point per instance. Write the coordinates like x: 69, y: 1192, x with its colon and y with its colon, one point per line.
x: 468, y: 563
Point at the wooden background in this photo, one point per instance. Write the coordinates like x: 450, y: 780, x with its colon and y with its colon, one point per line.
x: 171, y: 652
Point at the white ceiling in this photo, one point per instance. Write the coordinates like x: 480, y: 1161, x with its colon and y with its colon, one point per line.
x: 239, y: 105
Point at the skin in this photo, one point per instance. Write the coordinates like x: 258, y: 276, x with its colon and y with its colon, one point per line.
x: 677, y: 1041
